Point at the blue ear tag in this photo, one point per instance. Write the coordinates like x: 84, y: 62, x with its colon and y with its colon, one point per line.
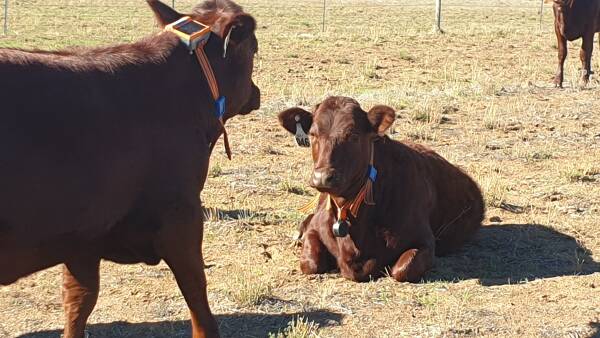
x: 372, y: 173
x: 220, y: 106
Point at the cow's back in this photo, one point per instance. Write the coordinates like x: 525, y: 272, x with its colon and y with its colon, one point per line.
x: 68, y: 158
x: 83, y: 148
x: 458, y: 208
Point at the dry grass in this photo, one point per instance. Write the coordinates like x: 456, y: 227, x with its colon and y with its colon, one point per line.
x: 298, y: 328
x: 480, y: 95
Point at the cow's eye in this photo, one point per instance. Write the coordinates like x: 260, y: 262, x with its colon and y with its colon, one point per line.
x: 354, y: 137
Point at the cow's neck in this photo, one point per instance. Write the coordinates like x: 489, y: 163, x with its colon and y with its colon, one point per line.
x: 200, y: 96
x: 350, y: 207
x: 363, y: 190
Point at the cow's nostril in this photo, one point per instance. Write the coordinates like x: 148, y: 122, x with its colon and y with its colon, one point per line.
x: 330, y: 178
x: 324, y: 178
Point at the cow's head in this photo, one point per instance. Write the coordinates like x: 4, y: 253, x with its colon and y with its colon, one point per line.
x: 340, y: 134
x: 226, y: 19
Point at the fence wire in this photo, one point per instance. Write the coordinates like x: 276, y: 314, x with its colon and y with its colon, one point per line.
x: 107, y: 20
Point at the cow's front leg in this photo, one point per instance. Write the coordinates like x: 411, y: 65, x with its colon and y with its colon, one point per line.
x: 585, y: 54
x: 81, y: 281
x: 361, y: 270
x: 315, y: 257
x: 562, y: 56
x: 413, y: 264
x: 188, y: 269
x: 180, y: 245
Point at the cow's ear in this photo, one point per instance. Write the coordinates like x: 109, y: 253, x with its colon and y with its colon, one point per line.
x: 163, y: 13
x: 239, y: 28
x: 381, y: 118
x: 297, y: 121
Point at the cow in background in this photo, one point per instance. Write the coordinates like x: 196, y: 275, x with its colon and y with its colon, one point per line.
x: 104, y: 152
x: 574, y: 19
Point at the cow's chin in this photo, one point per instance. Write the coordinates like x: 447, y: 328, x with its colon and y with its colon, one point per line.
x: 247, y: 109
x: 345, y: 191
x: 345, y: 186
x: 253, y: 102
x: 334, y: 191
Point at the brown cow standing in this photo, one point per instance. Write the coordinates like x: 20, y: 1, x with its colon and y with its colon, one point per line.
x: 420, y: 204
x: 574, y: 19
x: 104, y: 153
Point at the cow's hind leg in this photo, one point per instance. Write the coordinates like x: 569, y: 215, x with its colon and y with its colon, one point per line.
x: 188, y: 268
x: 413, y: 264
x: 181, y: 247
x: 585, y: 54
x: 81, y: 281
x: 562, y: 56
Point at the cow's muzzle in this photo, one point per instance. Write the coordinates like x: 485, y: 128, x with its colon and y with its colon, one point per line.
x: 324, y: 179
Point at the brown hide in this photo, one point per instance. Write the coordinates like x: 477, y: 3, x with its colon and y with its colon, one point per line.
x: 423, y: 204
x: 574, y: 19
x: 105, y: 152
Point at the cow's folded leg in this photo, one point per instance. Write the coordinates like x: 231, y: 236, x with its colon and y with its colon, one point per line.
x: 80, y: 292
x: 412, y: 265
x: 315, y: 257
x: 185, y: 260
x: 362, y: 271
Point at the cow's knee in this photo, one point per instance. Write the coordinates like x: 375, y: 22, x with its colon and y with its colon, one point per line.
x: 364, y: 271
x: 314, y: 258
x: 412, y: 265
x: 309, y: 266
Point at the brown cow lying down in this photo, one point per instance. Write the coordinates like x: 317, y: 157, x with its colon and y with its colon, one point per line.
x: 574, y: 19
x: 412, y: 205
x: 105, y: 151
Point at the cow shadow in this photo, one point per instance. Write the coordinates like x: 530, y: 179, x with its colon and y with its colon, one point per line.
x: 218, y: 214
x: 513, y: 253
x: 236, y: 325
x: 596, y: 326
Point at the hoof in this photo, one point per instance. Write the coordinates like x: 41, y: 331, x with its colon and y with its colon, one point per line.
x: 557, y: 83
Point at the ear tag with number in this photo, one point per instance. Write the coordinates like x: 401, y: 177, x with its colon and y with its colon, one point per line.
x: 301, y: 137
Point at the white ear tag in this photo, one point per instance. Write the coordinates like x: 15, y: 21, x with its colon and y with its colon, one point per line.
x: 226, y: 42
x: 301, y: 137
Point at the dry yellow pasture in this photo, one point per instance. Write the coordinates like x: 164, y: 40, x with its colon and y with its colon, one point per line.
x: 480, y: 94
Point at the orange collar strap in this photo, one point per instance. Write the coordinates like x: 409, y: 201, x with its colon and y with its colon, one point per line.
x: 214, y: 89
x: 353, y: 206
x: 365, y: 195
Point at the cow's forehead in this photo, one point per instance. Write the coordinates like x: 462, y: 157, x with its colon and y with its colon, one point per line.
x: 336, y: 115
x: 334, y: 122
x: 338, y: 103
